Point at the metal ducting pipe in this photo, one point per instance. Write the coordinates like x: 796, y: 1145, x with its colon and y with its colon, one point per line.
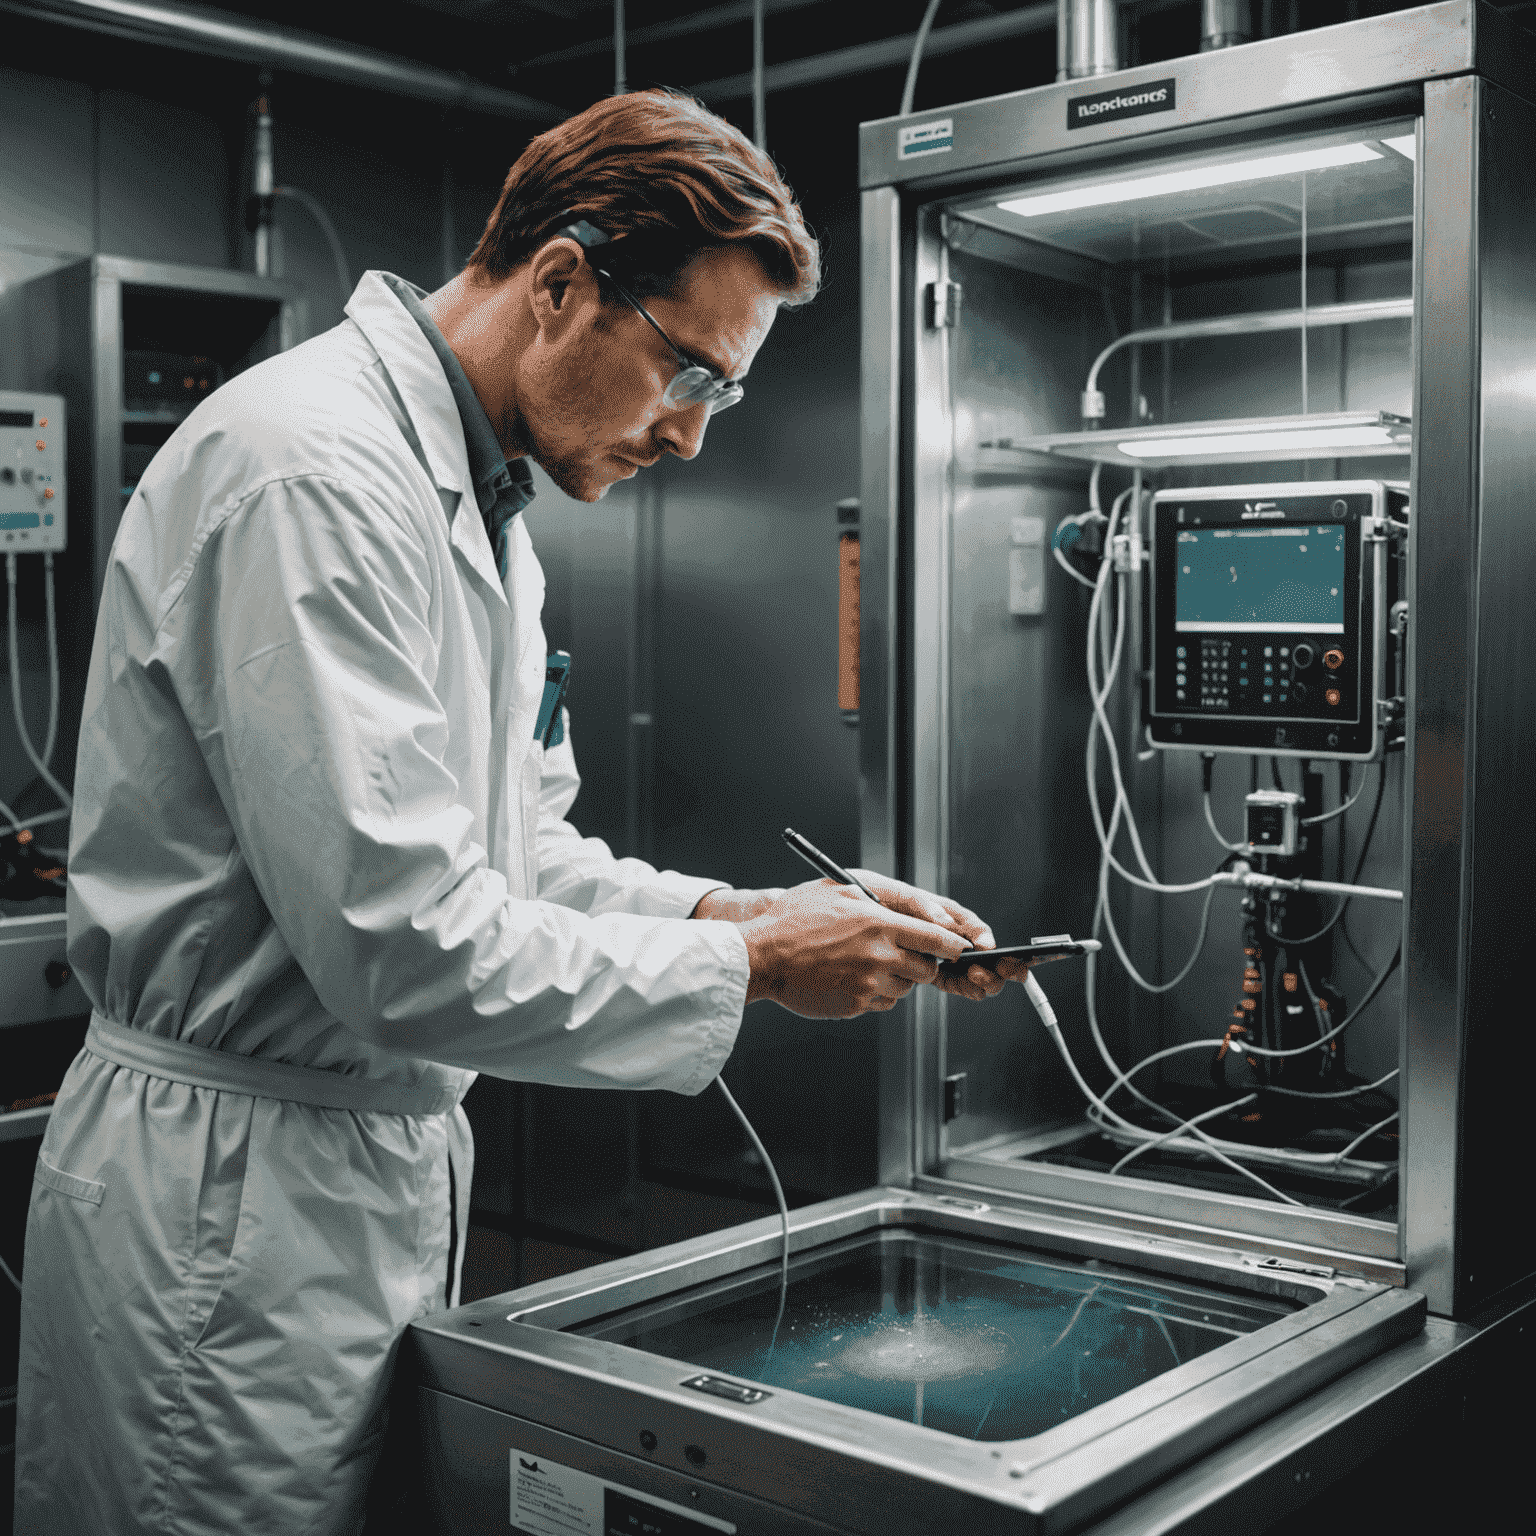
x: 1087, y: 38
x: 1225, y: 24
x: 221, y: 35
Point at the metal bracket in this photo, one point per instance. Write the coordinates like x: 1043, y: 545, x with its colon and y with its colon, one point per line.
x: 954, y: 1096
x: 944, y: 305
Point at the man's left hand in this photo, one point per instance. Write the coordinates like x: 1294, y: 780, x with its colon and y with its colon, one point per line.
x: 979, y: 981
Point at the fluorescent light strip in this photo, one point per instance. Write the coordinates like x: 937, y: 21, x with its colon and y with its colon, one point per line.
x: 1257, y: 442
x: 1190, y: 180
x: 1404, y: 145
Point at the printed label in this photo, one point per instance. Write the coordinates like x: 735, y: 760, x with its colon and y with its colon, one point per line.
x: 551, y: 1500
x: 1110, y: 106
x: 934, y: 138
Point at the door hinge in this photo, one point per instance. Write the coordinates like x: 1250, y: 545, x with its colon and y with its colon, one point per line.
x: 954, y: 1097
x: 943, y: 305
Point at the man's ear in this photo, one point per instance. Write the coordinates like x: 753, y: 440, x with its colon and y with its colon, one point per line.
x: 557, y: 272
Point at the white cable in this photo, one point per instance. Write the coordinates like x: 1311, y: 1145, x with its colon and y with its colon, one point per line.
x: 778, y: 1194
x: 909, y: 90
x: 1338, y: 810
x: 19, y: 824
x: 10, y: 1274
x: 1284, y: 1154
x: 53, y: 660
x: 1076, y: 575
x: 1119, y: 947
x: 1343, y: 1093
x: 1090, y: 997
x: 1364, y: 1136
x: 1100, y: 723
x: 21, y: 723
x: 328, y: 229
x: 1047, y: 1015
x: 1157, y: 1141
x: 1210, y: 821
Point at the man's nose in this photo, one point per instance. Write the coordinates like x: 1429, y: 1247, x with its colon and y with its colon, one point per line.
x: 682, y: 432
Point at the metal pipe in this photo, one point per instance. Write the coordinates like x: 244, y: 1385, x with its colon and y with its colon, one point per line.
x: 1087, y: 38
x: 887, y: 53
x: 620, y: 62
x: 759, y: 89
x: 218, y: 34
x: 1225, y: 24
x: 1241, y: 875
x: 1320, y: 315
x: 261, y: 185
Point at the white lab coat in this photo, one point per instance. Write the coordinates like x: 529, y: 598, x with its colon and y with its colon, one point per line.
x: 312, y: 828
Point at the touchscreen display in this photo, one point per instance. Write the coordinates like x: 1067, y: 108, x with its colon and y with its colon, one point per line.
x: 1238, y: 580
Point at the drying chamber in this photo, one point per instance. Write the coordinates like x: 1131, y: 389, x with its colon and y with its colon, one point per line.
x: 1192, y: 619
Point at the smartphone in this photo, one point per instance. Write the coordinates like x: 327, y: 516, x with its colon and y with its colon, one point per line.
x: 1056, y: 946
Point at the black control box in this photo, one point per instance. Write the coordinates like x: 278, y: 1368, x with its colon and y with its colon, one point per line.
x: 1268, y: 608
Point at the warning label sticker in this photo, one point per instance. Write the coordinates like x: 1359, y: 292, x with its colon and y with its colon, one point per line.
x: 551, y: 1500
x: 933, y: 138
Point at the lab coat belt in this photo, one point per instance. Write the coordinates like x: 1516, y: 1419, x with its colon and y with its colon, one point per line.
x: 202, y: 1067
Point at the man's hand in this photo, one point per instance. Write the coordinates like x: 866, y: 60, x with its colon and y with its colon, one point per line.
x: 979, y: 981
x: 822, y: 950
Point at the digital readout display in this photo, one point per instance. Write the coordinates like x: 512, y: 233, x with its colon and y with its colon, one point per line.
x: 1243, y: 580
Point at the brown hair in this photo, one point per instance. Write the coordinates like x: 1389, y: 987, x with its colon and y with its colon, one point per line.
x: 660, y: 169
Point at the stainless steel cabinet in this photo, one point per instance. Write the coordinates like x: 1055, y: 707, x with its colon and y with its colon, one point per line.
x: 1315, y: 239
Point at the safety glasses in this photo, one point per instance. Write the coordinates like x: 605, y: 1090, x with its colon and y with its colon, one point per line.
x: 695, y: 382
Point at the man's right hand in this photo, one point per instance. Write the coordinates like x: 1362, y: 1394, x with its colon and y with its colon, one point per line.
x: 824, y: 951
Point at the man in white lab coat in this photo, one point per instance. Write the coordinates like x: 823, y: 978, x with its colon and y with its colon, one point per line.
x: 320, y: 872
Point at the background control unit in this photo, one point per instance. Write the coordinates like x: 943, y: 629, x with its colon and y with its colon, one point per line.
x: 1268, y: 617
x: 32, y: 516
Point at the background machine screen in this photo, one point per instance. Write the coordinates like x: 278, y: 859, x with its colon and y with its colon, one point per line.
x: 1251, y: 580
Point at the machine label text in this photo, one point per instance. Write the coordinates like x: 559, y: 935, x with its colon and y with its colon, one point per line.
x: 1110, y: 106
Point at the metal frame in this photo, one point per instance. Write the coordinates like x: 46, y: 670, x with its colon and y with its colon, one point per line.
x: 1456, y: 66
x: 855, y: 1468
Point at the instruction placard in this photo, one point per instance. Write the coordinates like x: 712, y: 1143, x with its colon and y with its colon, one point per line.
x: 551, y: 1500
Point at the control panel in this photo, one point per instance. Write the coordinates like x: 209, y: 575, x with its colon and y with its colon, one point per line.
x: 1268, y: 608
x: 32, y: 495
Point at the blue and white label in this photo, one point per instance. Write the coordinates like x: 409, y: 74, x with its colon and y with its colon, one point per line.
x: 936, y: 138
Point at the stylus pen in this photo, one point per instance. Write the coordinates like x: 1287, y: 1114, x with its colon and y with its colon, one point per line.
x: 820, y: 862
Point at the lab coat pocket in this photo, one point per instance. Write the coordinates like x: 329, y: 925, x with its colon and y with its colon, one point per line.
x: 88, y: 1190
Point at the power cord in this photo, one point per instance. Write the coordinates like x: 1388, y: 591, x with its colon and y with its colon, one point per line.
x: 778, y: 1194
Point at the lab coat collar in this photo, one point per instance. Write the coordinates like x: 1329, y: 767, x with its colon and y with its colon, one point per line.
x: 418, y: 376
